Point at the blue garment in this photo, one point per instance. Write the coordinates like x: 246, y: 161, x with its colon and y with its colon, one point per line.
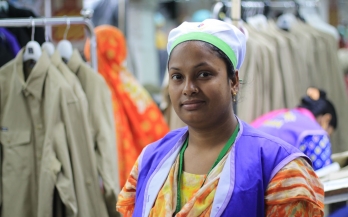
x: 251, y: 164
x: 11, y: 40
x: 318, y: 149
x: 291, y: 126
x: 299, y: 128
x: 341, y: 213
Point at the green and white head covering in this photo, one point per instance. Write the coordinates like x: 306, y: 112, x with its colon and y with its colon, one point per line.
x: 222, y: 35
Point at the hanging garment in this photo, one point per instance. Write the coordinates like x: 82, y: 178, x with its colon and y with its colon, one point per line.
x: 139, y: 121
x: 22, y: 101
x: 46, y: 145
x: 71, y: 78
x: 102, y: 127
x: 326, y: 74
x: 250, y: 96
x: 271, y: 74
x: 214, y: 197
x: 5, y: 53
x: 286, y: 66
x: 291, y: 61
x: 337, y: 94
x: 11, y: 41
x: 299, y: 66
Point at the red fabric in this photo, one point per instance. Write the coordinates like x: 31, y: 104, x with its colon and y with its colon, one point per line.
x: 138, y: 119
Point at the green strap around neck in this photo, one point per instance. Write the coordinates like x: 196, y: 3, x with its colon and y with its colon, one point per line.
x: 223, y: 152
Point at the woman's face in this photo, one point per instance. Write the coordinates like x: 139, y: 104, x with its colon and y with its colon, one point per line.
x: 199, y: 88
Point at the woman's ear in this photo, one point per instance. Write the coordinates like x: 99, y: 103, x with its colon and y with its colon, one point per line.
x: 324, y: 120
x: 235, y: 83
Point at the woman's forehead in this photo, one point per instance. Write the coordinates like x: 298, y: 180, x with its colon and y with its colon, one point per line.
x: 189, y: 48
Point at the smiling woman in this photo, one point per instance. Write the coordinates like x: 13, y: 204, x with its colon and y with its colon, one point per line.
x: 195, y: 71
x: 218, y: 165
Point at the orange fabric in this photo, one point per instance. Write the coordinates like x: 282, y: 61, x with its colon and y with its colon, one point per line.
x: 303, y: 189
x: 138, y: 119
x: 294, y: 191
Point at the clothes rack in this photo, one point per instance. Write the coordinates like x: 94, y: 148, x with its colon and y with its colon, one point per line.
x: 54, y: 21
x: 261, y: 4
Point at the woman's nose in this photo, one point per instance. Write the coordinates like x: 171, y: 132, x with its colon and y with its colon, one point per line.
x: 190, y: 88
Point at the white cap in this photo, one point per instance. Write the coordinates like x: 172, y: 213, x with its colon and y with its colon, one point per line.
x: 229, y: 39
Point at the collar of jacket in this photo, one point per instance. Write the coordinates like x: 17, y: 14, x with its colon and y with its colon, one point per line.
x: 75, y: 62
x: 35, y: 82
x: 56, y: 59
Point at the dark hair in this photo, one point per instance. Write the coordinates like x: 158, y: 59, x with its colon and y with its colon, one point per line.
x: 229, y: 66
x: 320, y: 106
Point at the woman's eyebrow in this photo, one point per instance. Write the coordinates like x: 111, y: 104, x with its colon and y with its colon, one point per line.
x: 174, y: 68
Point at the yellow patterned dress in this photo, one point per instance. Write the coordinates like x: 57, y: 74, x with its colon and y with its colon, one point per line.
x: 294, y: 191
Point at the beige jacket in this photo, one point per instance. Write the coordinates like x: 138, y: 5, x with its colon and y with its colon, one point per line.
x: 272, y: 79
x: 46, y: 144
x: 103, y: 128
x: 286, y: 66
x: 250, y: 90
x: 70, y: 77
x: 25, y: 111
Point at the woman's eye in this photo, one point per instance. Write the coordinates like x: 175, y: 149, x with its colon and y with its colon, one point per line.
x: 176, y: 77
x: 204, y: 74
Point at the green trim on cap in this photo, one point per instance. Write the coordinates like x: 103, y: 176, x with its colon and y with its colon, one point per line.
x: 211, y: 39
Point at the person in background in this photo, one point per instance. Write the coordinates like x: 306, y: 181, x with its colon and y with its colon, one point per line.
x: 307, y: 127
x: 218, y: 165
x: 138, y: 119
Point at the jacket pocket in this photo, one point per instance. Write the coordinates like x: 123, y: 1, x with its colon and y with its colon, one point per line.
x: 17, y: 153
x: 12, y: 139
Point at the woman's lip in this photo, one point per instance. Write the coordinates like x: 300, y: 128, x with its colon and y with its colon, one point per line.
x: 192, y: 105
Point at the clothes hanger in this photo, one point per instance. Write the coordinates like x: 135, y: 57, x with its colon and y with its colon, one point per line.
x: 47, y: 45
x: 32, y: 49
x: 64, y: 47
x: 288, y: 18
x: 258, y: 21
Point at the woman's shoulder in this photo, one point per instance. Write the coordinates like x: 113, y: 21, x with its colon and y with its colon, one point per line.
x: 296, y: 182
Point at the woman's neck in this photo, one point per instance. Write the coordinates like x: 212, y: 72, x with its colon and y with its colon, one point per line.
x: 213, y: 135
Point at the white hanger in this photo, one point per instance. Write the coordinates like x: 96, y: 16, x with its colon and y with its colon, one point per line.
x: 47, y: 46
x: 64, y: 47
x: 285, y: 21
x: 258, y: 21
x: 32, y: 49
x: 4, y: 6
